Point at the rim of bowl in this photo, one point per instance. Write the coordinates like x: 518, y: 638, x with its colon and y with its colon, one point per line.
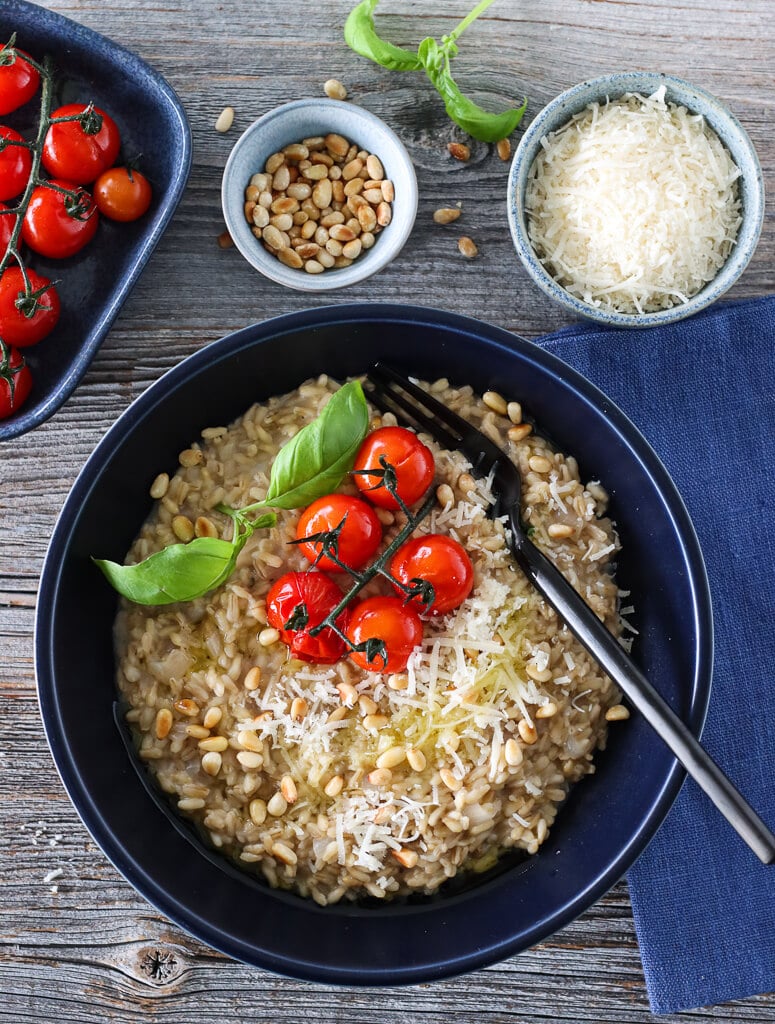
x: 137, y: 873
x: 726, y: 126
x: 375, y: 259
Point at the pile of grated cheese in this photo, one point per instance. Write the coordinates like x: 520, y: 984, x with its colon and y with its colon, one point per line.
x: 633, y: 205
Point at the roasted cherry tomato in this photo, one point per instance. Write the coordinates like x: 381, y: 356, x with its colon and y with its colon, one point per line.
x: 81, y: 150
x: 15, y: 380
x: 15, y: 164
x: 388, y: 619
x: 19, y: 80
x: 7, y: 221
x: 58, y: 225
x: 298, y: 602
x: 440, y: 560
x: 122, y: 193
x: 359, y: 534
x: 411, y: 460
x: 26, y: 316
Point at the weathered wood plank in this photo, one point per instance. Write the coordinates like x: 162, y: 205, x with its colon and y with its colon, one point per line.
x: 94, y: 950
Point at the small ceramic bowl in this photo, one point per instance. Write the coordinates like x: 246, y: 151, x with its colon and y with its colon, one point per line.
x: 303, y: 119
x: 696, y: 100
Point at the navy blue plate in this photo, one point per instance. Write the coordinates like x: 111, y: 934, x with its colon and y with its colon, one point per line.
x: 609, y: 817
x: 96, y: 281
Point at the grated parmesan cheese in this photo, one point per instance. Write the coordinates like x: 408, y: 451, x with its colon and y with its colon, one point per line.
x: 633, y: 205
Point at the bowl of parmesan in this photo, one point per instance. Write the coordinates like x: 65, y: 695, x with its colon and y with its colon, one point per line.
x: 635, y: 199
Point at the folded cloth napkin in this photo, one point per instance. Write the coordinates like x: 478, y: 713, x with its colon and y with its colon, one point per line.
x: 702, y: 391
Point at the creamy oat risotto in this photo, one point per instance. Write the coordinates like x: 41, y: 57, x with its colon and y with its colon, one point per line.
x: 338, y: 782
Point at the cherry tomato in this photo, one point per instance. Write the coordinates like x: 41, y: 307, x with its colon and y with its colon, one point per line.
x: 359, y: 536
x: 15, y: 164
x: 19, y: 81
x: 7, y: 222
x: 25, y: 319
x: 15, y: 380
x: 58, y: 225
x: 289, y: 597
x: 411, y: 460
x: 440, y: 560
x: 80, y: 151
x: 390, y: 620
x: 122, y: 193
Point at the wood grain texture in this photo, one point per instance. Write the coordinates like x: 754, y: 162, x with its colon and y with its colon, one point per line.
x: 94, y: 951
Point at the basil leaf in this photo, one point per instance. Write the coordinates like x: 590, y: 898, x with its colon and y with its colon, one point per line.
x: 472, y: 118
x: 182, y: 572
x: 315, y: 461
x: 361, y: 36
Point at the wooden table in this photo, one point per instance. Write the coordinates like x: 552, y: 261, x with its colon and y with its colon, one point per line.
x: 94, y: 950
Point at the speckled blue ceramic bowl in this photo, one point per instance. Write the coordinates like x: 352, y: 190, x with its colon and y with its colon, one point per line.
x: 725, y: 125
x: 303, y: 119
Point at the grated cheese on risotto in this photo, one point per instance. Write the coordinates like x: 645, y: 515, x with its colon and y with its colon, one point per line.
x: 498, y: 712
x: 633, y: 205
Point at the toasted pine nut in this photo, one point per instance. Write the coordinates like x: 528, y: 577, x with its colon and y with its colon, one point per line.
x: 384, y: 214
x: 225, y: 241
x: 288, y: 789
x: 198, y: 732
x: 406, y: 858
x: 284, y: 853
x: 380, y: 777
x: 347, y: 693
x: 225, y: 119
x: 334, y: 89
x: 163, y: 723
x: 416, y: 759
x: 212, y: 717
x: 253, y: 678
x: 337, y: 145
x: 334, y: 786
x: 512, y: 752
x: 186, y: 707
x: 268, y: 636
x: 183, y: 528
x: 313, y: 267
x: 249, y: 758
x: 519, y: 432
x: 547, y: 710
x: 540, y: 675
x: 514, y: 410
x: 338, y: 714
x: 367, y: 705
x: 446, y: 214
x: 467, y: 247
x: 527, y: 732
x: 391, y: 757
x: 204, y: 527
x: 375, y: 721
x: 211, y: 762
x: 504, y: 149
x: 299, y: 708
x: 290, y: 258
x: 560, y: 530
x: 450, y: 780
x: 257, y: 811
x: 539, y: 464
x: 352, y: 169
x: 466, y: 483
x: 495, y: 402
x: 459, y: 150
x: 160, y: 485
x: 388, y: 190
x: 277, y: 805
x: 617, y: 713
x: 248, y: 740
x: 219, y: 743
x: 398, y: 681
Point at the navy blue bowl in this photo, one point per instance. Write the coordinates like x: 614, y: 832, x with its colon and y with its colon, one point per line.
x: 95, y: 282
x: 608, y: 819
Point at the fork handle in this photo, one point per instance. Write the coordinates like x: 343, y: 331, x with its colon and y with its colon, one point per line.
x: 612, y: 658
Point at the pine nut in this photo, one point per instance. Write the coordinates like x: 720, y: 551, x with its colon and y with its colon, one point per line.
x: 380, y: 777
x: 388, y: 191
x: 296, y: 151
x: 186, y: 707
x: 204, y: 527
x: 372, y: 195
x: 284, y: 853
x: 273, y: 237
x: 514, y: 409
x: 212, y: 717
x: 219, y: 743
x: 338, y: 714
x: 367, y: 218
x: 198, y: 732
x: 281, y: 178
x: 406, y: 858
x: 260, y: 216
x: 334, y: 786
x: 391, y: 758
x: 466, y: 483
x: 274, y: 163
x: 617, y: 713
x: 539, y: 464
x: 527, y: 732
x: 450, y: 780
x: 253, y: 678
x: 249, y: 741
x: 446, y: 214
x: 315, y: 172
x: 288, y: 789
x: 367, y: 705
x: 225, y: 119
x: 290, y: 258
x: 416, y: 759
x: 547, y: 710
x: 445, y: 495
x: 268, y: 636
x: 459, y: 150
x: 341, y: 233
x: 277, y: 805
x: 375, y: 721
x: 257, y: 811
x: 163, y: 723
x: 367, y: 239
x: 183, y: 528
x: 540, y: 675
x: 520, y: 432
x: 347, y: 693
x: 352, y: 250
x: 398, y: 681
x: 512, y: 752
x: 334, y: 89
x: 495, y: 402
x: 299, y: 708
x: 211, y: 762
x: 384, y: 214
x: 467, y: 247
x: 504, y: 149
x: 160, y: 485
x: 313, y: 267
x: 560, y: 530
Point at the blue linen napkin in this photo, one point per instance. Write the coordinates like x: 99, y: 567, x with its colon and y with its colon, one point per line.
x: 703, y: 393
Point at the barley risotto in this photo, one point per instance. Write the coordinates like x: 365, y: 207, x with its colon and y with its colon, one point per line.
x: 337, y: 782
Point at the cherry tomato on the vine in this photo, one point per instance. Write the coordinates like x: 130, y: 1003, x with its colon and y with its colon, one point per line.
x: 56, y: 224
x: 15, y: 164
x: 440, y: 560
x: 19, y: 80
x: 7, y: 221
x: 122, y: 193
x: 80, y: 151
x: 358, y: 538
x: 26, y: 316
x: 388, y: 619
x: 298, y: 602
x: 410, y: 459
x: 15, y: 380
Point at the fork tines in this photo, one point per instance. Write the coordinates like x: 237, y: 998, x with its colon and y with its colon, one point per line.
x: 392, y: 392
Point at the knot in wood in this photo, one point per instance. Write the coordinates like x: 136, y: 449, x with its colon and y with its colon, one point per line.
x: 158, y: 965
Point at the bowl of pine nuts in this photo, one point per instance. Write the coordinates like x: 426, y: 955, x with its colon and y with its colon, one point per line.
x: 319, y: 194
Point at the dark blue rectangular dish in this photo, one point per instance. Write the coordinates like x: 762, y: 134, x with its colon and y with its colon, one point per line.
x: 95, y: 283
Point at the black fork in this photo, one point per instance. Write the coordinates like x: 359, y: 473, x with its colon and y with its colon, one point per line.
x: 392, y: 392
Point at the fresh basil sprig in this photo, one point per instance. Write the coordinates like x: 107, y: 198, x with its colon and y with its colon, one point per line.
x: 316, y: 460
x: 182, y: 572
x: 434, y: 58
x: 310, y: 465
